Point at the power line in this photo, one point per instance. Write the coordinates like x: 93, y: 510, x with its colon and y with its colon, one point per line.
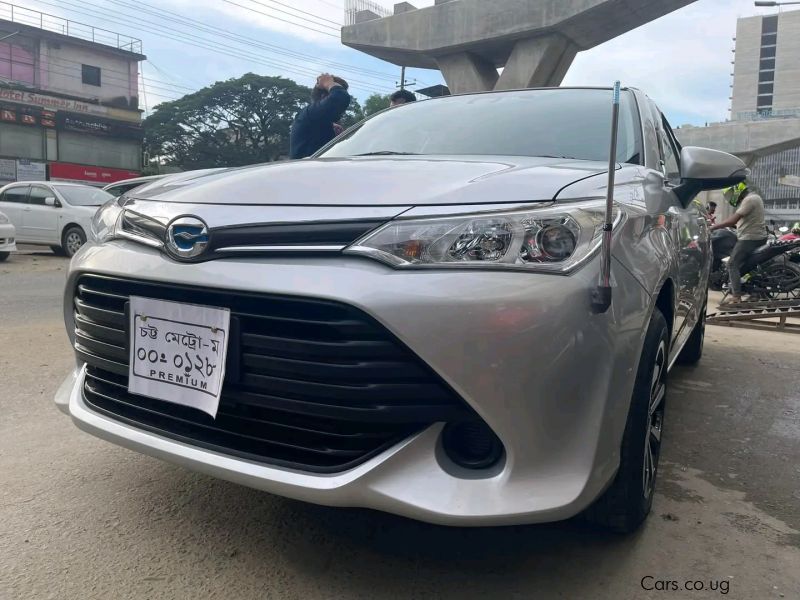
x: 296, y: 10
x: 241, y: 39
x: 331, y: 4
x: 125, y: 76
x: 192, y: 40
x: 260, y: 12
x: 51, y: 71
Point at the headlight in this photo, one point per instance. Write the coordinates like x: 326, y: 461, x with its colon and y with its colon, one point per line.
x: 104, y: 223
x: 549, y: 239
x: 3, y: 219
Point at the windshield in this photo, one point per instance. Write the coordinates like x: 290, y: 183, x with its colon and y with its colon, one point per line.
x: 568, y: 123
x: 83, y: 196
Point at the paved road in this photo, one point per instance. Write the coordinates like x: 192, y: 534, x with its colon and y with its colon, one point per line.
x: 80, y: 518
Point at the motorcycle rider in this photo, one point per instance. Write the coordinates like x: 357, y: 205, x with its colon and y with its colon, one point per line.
x: 751, y: 232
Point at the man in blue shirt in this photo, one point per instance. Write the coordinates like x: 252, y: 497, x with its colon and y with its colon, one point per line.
x: 313, y: 126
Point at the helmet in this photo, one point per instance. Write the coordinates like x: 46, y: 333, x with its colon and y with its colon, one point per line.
x: 796, y: 228
x: 734, y: 194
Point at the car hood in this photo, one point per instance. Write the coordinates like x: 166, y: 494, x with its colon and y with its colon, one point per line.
x: 380, y: 181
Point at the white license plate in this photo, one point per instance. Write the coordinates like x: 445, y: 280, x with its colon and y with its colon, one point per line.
x: 177, y: 352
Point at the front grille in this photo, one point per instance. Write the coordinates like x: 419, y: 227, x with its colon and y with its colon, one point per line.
x: 312, y: 384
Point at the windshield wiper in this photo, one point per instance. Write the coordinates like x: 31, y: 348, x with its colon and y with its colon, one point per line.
x: 387, y: 153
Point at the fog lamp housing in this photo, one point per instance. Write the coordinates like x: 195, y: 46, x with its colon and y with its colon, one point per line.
x: 471, y: 445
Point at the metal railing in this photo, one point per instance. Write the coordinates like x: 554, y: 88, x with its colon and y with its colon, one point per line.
x: 353, y: 7
x: 55, y: 24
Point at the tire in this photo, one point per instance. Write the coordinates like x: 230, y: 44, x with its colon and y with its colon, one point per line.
x: 627, y: 502
x: 4, y: 256
x: 692, y: 352
x: 787, y: 277
x: 72, y: 239
x: 58, y: 250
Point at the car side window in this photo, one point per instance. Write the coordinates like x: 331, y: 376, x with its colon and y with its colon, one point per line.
x: 670, y: 153
x: 38, y: 194
x: 18, y: 195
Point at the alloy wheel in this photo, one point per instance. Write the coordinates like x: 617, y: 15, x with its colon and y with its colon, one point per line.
x: 655, y: 421
x: 74, y: 242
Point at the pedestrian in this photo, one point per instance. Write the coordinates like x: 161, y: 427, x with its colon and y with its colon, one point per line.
x: 712, y: 212
x: 401, y: 97
x: 751, y: 232
x: 314, y: 126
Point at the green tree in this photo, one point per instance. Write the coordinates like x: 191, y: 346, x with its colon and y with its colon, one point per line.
x: 230, y: 123
x: 375, y: 103
x: 352, y: 115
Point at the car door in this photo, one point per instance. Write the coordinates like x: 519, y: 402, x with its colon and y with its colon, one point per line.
x: 40, y: 221
x: 13, y: 202
x: 691, y: 237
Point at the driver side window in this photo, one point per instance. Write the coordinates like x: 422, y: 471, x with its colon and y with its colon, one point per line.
x: 670, y: 153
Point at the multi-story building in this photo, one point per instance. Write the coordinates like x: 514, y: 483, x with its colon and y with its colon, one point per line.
x: 766, y: 75
x: 69, y: 100
x: 766, y: 86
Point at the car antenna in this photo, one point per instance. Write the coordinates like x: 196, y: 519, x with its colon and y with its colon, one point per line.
x: 601, y: 295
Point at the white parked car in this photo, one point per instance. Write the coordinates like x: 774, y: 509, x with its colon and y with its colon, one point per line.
x: 58, y: 215
x: 7, y: 235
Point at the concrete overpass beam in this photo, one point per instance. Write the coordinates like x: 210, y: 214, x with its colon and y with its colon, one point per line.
x: 537, y: 62
x: 466, y: 72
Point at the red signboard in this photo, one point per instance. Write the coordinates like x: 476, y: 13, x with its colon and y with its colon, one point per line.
x: 94, y: 174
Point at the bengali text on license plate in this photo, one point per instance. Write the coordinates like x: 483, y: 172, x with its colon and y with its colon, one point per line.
x: 177, y: 352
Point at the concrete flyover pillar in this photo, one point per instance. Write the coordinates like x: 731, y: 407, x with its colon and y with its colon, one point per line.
x: 537, y: 62
x: 465, y: 72
x: 535, y: 41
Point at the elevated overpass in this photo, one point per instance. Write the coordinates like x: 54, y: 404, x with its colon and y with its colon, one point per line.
x: 467, y: 40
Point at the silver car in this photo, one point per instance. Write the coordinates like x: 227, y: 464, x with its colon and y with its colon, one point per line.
x: 406, y: 320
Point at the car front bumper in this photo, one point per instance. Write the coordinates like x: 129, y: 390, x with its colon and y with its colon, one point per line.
x: 550, y: 378
x: 7, y: 235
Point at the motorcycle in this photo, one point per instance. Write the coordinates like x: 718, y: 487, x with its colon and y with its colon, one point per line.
x: 769, y: 273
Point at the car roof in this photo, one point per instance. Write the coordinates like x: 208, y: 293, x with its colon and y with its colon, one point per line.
x: 67, y: 183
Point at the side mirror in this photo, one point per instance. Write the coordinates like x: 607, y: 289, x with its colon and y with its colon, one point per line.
x: 704, y: 169
x: 52, y: 201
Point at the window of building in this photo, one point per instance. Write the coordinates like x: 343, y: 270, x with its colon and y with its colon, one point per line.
x: 769, y: 24
x: 765, y: 88
x: 768, y: 52
x: 767, y: 64
x: 764, y: 102
x: 16, y: 63
x: 22, y: 141
x: 769, y: 39
x: 90, y: 75
x: 95, y: 150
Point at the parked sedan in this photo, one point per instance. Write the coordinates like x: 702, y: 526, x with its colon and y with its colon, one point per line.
x: 410, y: 320
x: 7, y: 235
x: 58, y: 215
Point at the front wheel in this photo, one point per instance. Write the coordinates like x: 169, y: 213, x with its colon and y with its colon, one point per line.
x: 4, y: 256
x: 72, y: 240
x: 627, y: 502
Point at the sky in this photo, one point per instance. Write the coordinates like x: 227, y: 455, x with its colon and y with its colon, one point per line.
x: 683, y: 60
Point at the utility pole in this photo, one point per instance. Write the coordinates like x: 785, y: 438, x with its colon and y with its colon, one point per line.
x: 403, y: 82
